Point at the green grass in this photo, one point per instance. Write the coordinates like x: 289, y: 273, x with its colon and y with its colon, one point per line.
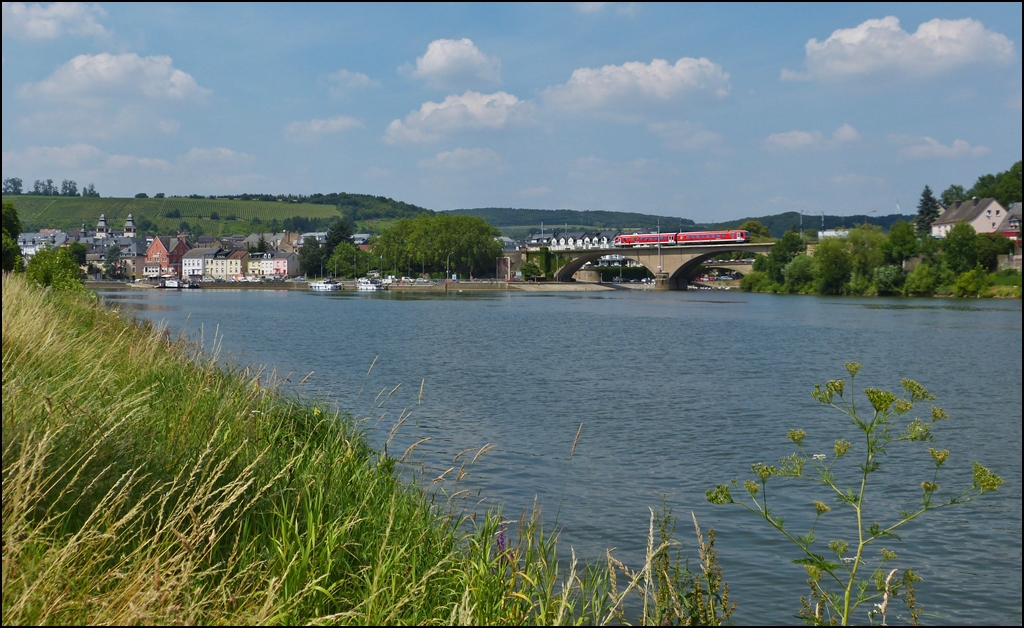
x: 71, y: 212
x: 144, y: 482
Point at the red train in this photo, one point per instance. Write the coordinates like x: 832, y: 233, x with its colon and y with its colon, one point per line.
x: 638, y: 240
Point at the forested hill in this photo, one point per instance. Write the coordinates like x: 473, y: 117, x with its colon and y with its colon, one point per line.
x: 361, y: 207
x: 507, y: 217
x: 779, y: 223
x: 511, y: 220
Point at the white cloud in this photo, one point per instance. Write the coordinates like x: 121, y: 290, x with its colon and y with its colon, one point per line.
x: 793, y: 139
x: 464, y: 159
x: 105, y: 75
x: 36, y: 21
x: 471, y: 110
x: 845, y: 133
x: 105, y: 95
x: 929, y: 148
x: 590, y: 7
x: 203, y: 170
x: 455, y: 63
x: 344, y: 82
x: 684, y: 135
x: 314, y: 130
x: 878, y: 46
x: 658, y: 81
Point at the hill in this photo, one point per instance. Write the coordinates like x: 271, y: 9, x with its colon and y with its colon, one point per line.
x: 519, y: 222
x: 212, y: 216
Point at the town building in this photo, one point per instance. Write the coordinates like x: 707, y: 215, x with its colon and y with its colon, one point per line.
x: 195, y: 264
x: 984, y: 214
x: 163, y: 257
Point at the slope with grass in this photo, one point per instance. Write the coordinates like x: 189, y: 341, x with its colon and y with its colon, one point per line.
x: 144, y: 482
x: 210, y: 216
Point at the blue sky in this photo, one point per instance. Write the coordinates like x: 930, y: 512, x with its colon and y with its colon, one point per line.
x: 705, y: 112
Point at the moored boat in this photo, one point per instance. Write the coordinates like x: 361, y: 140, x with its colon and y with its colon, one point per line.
x: 325, y: 285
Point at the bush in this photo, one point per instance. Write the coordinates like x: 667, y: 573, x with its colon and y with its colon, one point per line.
x: 142, y: 195
x: 55, y: 268
x: 921, y: 281
x: 799, y: 274
x: 834, y: 266
x: 972, y: 283
x: 889, y: 279
x: 755, y: 281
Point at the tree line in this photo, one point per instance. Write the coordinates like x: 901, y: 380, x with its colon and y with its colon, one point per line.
x: 869, y: 261
x: 427, y: 244
x: 68, y: 187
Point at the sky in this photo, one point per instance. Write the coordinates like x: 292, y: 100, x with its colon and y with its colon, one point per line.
x: 708, y: 112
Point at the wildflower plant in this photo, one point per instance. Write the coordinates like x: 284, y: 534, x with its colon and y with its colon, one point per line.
x: 860, y: 576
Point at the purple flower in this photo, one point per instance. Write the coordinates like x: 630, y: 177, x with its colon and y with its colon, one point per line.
x: 501, y: 540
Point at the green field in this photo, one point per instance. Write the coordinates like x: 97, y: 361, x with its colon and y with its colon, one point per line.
x: 60, y: 212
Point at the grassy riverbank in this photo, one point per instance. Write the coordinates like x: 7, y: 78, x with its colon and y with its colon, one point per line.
x: 145, y: 483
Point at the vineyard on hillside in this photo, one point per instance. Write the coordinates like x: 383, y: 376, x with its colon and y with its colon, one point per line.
x: 70, y: 212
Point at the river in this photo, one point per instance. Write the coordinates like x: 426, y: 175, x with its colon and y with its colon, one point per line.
x: 676, y: 391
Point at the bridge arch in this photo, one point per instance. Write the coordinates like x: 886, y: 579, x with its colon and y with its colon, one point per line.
x: 671, y: 265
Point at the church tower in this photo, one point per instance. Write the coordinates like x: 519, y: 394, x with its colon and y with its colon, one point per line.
x: 129, y: 227
x: 102, y: 231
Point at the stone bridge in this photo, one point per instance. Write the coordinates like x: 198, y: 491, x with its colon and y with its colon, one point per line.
x: 671, y: 265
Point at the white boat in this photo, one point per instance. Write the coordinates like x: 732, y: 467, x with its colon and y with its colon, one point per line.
x: 325, y: 285
x: 172, y: 283
x: 366, y: 284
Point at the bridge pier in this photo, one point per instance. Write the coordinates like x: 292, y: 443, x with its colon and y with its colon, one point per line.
x: 661, y: 281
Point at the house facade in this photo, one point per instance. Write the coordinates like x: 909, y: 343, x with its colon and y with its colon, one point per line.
x: 286, y: 264
x: 196, y: 263
x: 163, y: 257
x: 984, y: 214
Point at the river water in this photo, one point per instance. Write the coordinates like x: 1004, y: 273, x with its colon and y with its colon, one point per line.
x: 676, y: 392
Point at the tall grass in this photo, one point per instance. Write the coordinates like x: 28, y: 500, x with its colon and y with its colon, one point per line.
x: 144, y: 482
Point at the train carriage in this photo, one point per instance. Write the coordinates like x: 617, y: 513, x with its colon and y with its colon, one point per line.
x: 645, y: 240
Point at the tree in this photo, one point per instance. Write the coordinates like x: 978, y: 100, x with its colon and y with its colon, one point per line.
x: 55, y: 268
x: 184, y: 227
x: 262, y: 246
x: 835, y: 264
x: 953, y: 194
x: 112, y: 262
x: 90, y: 190
x: 799, y: 273
x: 990, y: 246
x: 142, y: 195
x: 338, y: 232
x: 311, y: 257
x: 12, y: 186
x: 866, y: 248
x: 902, y: 243
x: 1005, y: 187
x: 921, y: 281
x: 11, y: 222
x: 928, y: 210
x: 68, y: 188
x: 787, y: 248
x: 961, y: 248
x: 78, y: 252
x: 214, y: 216
x: 346, y: 261
x: 159, y: 195
x: 531, y: 271
x: 756, y: 229
x: 11, y: 254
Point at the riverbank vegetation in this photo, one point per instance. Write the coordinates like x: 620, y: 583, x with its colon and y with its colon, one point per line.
x: 870, y: 262
x: 858, y: 571
x: 145, y: 482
